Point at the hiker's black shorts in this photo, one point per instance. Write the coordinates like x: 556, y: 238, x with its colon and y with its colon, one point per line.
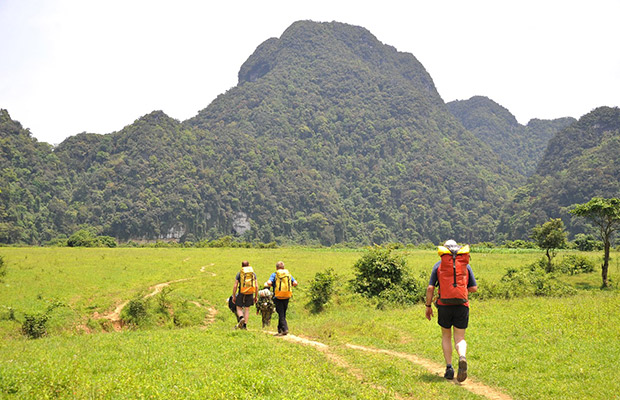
x: 244, y: 300
x: 449, y: 316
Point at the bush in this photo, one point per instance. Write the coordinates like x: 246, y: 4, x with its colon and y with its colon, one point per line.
x: 576, y: 264
x: 2, y: 269
x: 587, y: 243
x: 321, y: 289
x: 35, y: 325
x: 106, y: 241
x: 135, y: 311
x: 377, y: 271
x: 82, y: 238
x: 532, y: 280
x: 383, y: 276
x: 86, y: 238
x: 519, y: 244
x: 410, y: 291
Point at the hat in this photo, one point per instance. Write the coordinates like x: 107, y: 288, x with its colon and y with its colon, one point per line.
x: 451, y: 245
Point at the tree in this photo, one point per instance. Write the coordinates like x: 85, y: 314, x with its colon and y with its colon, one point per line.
x: 550, y: 236
x: 605, y: 213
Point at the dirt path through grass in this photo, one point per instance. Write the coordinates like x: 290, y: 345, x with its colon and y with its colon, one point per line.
x: 433, y: 367
x: 115, y: 316
x: 337, y: 360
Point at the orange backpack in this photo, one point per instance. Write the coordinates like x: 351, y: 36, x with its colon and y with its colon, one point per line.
x: 453, y: 276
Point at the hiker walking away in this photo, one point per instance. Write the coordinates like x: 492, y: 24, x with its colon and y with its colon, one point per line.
x: 282, y: 282
x: 265, y: 306
x: 244, y: 293
x: 455, y: 279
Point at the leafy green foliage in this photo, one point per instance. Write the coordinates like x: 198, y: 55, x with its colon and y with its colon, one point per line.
x: 384, y: 275
x: 377, y: 271
x: 135, y: 311
x: 532, y: 280
x: 86, y: 238
x: 550, y: 236
x: 3, y: 268
x: 579, y: 163
x: 588, y: 242
x: 321, y: 289
x: 35, y: 325
x: 605, y: 214
x: 574, y: 264
x: 521, y: 147
x: 329, y: 137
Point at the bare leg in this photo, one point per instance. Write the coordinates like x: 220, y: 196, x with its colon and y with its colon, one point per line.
x: 459, y: 342
x: 246, y: 314
x: 461, y: 348
x: 239, y: 312
x: 446, y: 344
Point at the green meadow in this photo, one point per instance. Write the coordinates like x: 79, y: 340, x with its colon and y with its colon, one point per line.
x: 524, y: 348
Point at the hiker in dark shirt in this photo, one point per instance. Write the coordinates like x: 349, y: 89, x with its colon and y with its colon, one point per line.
x: 452, y: 304
x: 245, y: 292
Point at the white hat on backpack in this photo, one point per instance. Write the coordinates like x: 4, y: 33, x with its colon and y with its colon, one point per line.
x: 451, y: 245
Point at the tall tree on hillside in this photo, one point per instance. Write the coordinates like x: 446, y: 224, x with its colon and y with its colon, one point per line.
x: 605, y: 213
x: 550, y: 236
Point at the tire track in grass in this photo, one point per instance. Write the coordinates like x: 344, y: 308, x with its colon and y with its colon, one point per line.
x: 436, y: 369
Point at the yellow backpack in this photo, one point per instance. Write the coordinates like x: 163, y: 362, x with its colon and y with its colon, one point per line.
x: 283, y: 286
x: 247, y: 280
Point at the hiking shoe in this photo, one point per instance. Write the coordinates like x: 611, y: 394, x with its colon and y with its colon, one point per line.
x: 284, y: 333
x: 462, y: 374
x: 449, y: 372
x: 240, y: 324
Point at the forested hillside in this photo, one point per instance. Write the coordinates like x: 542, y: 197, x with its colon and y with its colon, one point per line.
x: 33, y: 186
x: 330, y: 136
x: 519, y: 146
x: 342, y: 138
x: 580, y: 162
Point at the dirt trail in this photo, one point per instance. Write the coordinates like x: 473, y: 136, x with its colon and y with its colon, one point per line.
x: 337, y: 360
x: 211, y: 313
x: 115, y: 316
x: 204, y: 267
x: 433, y: 367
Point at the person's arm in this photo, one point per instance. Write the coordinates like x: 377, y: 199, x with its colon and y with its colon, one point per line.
x: 430, y: 290
x: 293, y: 281
x: 269, y: 282
x: 234, y: 294
x: 255, y: 289
x: 472, y: 285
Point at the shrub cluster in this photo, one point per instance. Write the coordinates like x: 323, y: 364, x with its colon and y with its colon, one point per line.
x: 2, y: 269
x: 86, y: 238
x: 575, y: 264
x: 384, y: 276
x: 322, y: 289
x: 35, y: 325
x: 532, y: 280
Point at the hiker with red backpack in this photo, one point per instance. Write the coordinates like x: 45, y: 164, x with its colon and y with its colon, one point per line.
x: 282, y: 282
x: 455, y: 279
x: 245, y: 292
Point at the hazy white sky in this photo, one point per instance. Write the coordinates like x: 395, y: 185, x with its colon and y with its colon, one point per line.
x: 71, y: 66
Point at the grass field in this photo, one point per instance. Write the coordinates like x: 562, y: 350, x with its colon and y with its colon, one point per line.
x: 526, y: 348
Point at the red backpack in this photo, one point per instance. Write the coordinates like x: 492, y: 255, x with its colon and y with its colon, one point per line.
x: 453, y: 276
